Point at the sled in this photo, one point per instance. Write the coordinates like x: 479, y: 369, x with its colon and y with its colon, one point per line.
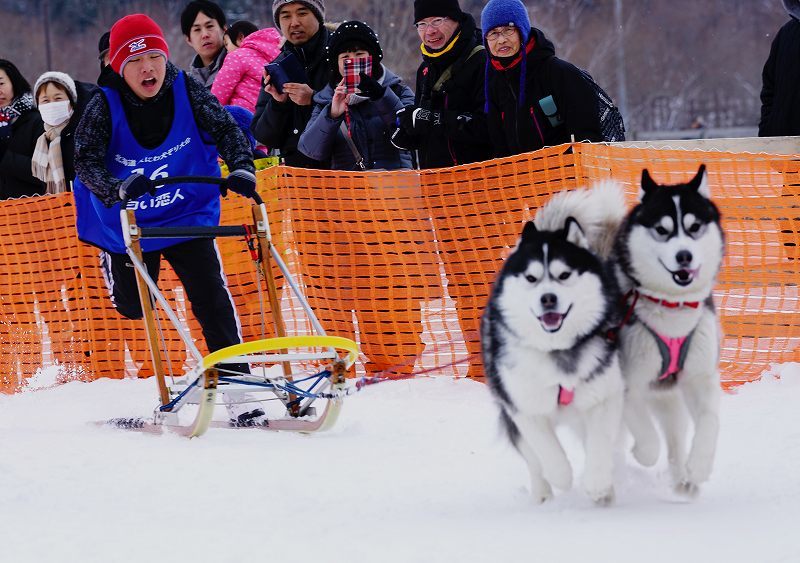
x: 278, y: 367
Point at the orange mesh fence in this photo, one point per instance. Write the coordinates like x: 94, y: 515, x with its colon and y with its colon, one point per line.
x: 402, y: 261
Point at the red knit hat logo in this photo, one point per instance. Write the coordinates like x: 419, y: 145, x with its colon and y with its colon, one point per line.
x: 134, y: 36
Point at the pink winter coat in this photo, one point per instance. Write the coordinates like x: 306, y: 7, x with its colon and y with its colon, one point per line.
x: 238, y: 82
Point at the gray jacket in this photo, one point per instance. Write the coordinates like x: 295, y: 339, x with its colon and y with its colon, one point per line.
x: 371, y: 125
x: 205, y: 75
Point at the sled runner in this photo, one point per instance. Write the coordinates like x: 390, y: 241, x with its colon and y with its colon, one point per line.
x: 277, y: 369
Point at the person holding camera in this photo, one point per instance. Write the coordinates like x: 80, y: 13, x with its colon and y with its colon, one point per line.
x: 446, y: 125
x: 283, y: 110
x: 353, y: 115
x: 152, y: 122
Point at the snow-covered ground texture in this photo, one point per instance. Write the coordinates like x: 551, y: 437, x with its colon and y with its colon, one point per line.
x: 415, y: 470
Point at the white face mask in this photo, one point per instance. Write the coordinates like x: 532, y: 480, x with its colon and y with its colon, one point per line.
x: 55, y: 113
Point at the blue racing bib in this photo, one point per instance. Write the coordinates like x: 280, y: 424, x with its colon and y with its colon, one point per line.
x: 183, y: 153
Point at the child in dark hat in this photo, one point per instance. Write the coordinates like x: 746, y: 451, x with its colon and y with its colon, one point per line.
x: 106, y: 72
x: 351, y: 129
x: 533, y: 98
x: 102, y: 48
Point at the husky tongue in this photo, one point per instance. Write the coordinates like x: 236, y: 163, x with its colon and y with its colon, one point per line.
x: 551, y: 320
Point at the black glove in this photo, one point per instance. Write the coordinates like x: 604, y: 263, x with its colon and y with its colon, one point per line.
x: 402, y: 140
x: 241, y: 182
x: 135, y: 186
x: 404, y: 120
x: 422, y: 120
x: 370, y: 87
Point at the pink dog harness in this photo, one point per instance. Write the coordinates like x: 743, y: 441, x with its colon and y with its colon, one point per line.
x: 673, y: 355
x: 673, y: 349
x: 565, y: 396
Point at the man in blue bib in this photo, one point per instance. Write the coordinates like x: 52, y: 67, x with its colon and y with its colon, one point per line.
x: 152, y: 121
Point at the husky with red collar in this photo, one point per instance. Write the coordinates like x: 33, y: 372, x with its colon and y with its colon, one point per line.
x: 668, y: 252
x: 545, y: 337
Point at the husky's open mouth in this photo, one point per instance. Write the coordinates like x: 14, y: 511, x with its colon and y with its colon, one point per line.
x: 684, y: 276
x: 552, y: 320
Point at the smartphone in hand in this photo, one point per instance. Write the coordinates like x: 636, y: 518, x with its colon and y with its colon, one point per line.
x: 352, y: 72
x: 284, y: 69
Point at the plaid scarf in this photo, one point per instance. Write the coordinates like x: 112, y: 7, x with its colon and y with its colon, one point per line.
x: 17, y: 107
x: 46, y: 162
x: 10, y: 113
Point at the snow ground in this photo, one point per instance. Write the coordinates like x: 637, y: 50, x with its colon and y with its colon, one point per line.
x: 413, y: 471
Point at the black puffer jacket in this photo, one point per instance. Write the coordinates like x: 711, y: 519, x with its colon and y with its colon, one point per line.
x: 780, y: 91
x: 279, y: 125
x: 516, y: 128
x: 16, y: 178
x: 463, y: 137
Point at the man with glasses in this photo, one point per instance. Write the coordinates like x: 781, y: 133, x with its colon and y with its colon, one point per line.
x: 534, y: 98
x: 446, y: 125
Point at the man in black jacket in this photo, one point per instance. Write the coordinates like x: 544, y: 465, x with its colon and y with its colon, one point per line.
x: 780, y: 106
x: 447, y: 124
x: 281, y: 117
x: 780, y: 92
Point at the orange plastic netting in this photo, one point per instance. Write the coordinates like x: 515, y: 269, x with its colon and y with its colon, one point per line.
x: 402, y: 261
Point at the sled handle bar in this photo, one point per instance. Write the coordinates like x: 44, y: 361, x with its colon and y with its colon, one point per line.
x: 193, y: 232
x: 198, y: 180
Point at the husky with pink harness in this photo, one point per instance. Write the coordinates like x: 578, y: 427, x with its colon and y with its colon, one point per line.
x: 667, y: 254
x: 549, y: 346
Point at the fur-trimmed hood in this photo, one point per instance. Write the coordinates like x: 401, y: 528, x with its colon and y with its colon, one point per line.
x: 793, y: 7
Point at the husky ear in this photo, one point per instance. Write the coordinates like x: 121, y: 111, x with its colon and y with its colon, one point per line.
x: 529, y: 230
x: 574, y: 233
x: 700, y: 182
x: 648, y: 184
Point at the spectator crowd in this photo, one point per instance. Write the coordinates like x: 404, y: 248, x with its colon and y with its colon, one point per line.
x: 317, y: 94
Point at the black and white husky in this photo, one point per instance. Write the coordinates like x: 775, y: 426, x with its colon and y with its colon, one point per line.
x: 546, y: 349
x: 668, y: 253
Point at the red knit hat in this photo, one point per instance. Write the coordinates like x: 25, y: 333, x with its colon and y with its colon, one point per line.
x: 133, y: 36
